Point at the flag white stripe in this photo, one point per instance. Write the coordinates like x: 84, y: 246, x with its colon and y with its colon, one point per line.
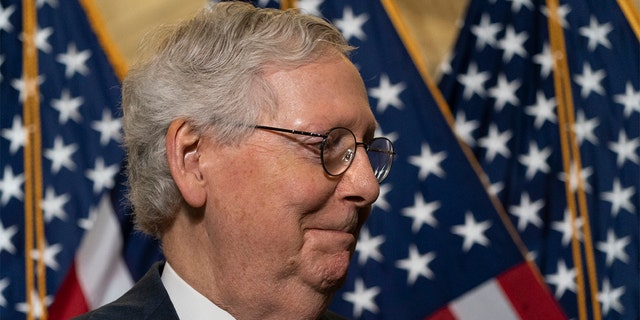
x: 101, y: 270
x: 487, y: 301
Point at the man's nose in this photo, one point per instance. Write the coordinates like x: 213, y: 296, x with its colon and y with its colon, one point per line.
x: 360, y: 181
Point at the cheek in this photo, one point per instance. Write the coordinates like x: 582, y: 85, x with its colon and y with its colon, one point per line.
x: 259, y: 211
x: 266, y: 205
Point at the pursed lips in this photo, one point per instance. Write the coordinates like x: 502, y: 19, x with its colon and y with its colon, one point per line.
x: 347, y: 226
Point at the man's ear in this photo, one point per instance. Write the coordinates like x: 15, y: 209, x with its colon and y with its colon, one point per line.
x: 182, y: 142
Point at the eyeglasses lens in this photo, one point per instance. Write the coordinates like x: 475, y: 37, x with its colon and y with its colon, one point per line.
x: 339, y: 149
x: 381, y: 156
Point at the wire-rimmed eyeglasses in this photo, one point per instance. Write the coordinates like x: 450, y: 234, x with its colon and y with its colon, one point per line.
x: 338, y: 149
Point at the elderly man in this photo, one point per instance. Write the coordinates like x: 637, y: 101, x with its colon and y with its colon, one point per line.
x: 252, y: 158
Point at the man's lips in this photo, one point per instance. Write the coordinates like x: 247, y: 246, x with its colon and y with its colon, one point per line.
x: 331, y: 239
x: 349, y: 224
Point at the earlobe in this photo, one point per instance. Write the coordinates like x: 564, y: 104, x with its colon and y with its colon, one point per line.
x: 184, y: 161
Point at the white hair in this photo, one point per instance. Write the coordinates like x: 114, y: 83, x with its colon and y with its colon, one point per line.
x: 209, y: 71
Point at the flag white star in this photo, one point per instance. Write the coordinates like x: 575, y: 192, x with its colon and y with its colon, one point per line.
x: 37, y: 307
x: 543, y: 110
x: 505, y: 92
x: 5, y: 238
x: 589, y: 81
x: 545, y: 60
x: 108, y: 127
x: 382, y: 202
x: 26, y: 87
x: 53, y: 205
x: 60, y: 155
x: 88, y: 222
x: 4, y: 283
x: 102, y: 177
x: 496, y: 143
x: 464, y: 129
x: 566, y: 227
x: 17, y: 135
x: 363, y: 298
x: 52, y: 3
x: 577, y: 178
x: 445, y: 65
x: 614, y: 248
x: 74, y: 61
x: 369, y: 247
x: 527, y: 212
x: 417, y: 265
x: 472, y: 232
x: 496, y: 188
x: 428, y: 162
x: 564, y: 279
x: 516, y: 5
x: 562, y: 12
x: 388, y: 94
x: 5, y: 15
x: 421, y: 212
x: 620, y: 198
x: 311, y: 7
x: 610, y: 298
x: 625, y: 149
x: 351, y: 25
x: 513, y: 44
x: 68, y: 107
x: 11, y: 186
x: 48, y: 255
x: 473, y: 81
x: 535, y: 160
x: 485, y: 32
x: 630, y: 100
x: 584, y: 128
x: 42, y: 39
x: 597, y: 33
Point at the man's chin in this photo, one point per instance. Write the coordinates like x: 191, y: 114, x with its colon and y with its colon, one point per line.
x: 334, y: 272
x: 328, y: 256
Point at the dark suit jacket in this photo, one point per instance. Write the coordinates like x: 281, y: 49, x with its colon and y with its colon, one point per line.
x: 148, y: 299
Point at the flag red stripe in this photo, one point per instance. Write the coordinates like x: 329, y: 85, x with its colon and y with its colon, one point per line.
x: 520, y: 289
x: 528, y: 297
x: 69, y: 301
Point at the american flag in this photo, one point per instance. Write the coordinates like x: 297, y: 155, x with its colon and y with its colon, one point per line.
x: 552, y: 113
x: 505, y: 218
x: 66, y: 241
x: 444, y: 241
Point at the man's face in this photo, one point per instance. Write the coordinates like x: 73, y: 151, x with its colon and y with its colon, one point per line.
x: 275, y: 220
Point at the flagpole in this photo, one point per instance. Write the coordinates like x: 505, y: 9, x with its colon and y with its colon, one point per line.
x: 116, y: 59
x: 632, y: 16
x: 571, y: 155
x: 33, y: 166
x: 560, y: 69
x: 288, y: 4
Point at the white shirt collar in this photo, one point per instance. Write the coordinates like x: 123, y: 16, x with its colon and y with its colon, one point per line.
x: 189, y: 303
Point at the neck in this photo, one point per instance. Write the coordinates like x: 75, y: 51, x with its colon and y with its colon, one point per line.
x: 236, y: 287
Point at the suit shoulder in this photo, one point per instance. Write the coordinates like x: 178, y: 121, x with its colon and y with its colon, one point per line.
x: 146, y: 300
